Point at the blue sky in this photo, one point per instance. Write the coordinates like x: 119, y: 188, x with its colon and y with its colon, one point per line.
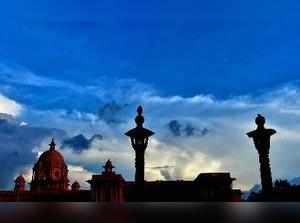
x: 221, y: 48
x: 83, y: 67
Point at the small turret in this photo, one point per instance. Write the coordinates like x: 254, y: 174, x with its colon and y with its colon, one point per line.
x: 108, y: 168
x: 52, y: 144
x: 75, y: 186
x: 20, y: 184
x: 109, y: 186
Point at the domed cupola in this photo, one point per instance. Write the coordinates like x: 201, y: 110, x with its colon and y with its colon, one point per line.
x: 20, y: 184
x: 50, y: 173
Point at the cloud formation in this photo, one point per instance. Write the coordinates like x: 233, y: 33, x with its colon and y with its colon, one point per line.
x: 225, y: 148
x: 9, y: 106
x: 185, y: 129
x: 20, y: 146
x: 111, y: 112
x: 80, y: 142
x: 223, y: 122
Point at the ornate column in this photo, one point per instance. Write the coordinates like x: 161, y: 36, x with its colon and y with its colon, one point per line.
x: 261, y: 138
x: 139, y: 137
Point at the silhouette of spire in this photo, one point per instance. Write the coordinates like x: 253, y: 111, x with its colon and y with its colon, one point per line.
x: 52, y: 144
x: 108, y: 167
x: 139, y: 131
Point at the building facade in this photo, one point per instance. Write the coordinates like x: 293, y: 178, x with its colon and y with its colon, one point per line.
x: 107, y: 187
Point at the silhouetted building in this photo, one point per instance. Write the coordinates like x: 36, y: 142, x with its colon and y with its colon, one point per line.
x: 20, y: 184
x: 50, y: 173
x: 107, y: 187
x: 210, y: 187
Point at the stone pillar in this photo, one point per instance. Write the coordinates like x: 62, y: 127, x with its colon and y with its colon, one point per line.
x: 262, y: 140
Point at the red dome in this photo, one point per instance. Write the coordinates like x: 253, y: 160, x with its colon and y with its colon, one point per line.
x: 75, y: 186
x: 50, y: 172
x: 51, y: 158
x: 20, y: 179
x: 76, y: 183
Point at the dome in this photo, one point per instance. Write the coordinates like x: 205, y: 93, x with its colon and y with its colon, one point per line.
x: 51, y: 158
x: 50, y: 172
x: 20, y: 184
x: 20, y: 179
x: 75, y: 186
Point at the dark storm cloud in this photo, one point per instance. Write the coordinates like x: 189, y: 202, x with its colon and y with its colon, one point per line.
x: 164, y: 171
x: 175, y: 127
x: 112, y: 112
x: 79, y: 143
x: 166, y: 174
x: 161, y: 167
x: 17, y: 145
x: 186, y: 129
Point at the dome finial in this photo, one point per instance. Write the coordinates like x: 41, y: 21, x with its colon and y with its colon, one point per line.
x: 140, y: 110
x: 75, y: 186
x: 260, y: 120
x: 52, y: 144
x: 139, y: 120
x: 108, y: 167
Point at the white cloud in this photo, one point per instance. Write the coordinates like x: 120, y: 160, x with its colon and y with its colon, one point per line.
x: 9, y: 106
x: 185, y: 163
x: 81, y: 175
x: 20, y: 75
x: 207, y: 99
x: 100, y: 151
x: 101, y: 88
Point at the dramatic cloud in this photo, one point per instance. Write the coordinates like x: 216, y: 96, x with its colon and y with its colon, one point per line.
x: 44, y: 93
x: 81, y: 175
x: 112, y: 112
x: 193, y: 134
x: 225, y: 146
x: 182, y: 163
x: 99, y: 152
x: 22, y: 76
x: 78, y: 76
x: 19, y: 148
x: 80, y: 142
x: 175, y: 127
x: 9, y: 106
x: 185, y: 129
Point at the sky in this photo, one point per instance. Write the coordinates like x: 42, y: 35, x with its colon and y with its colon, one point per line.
x: 202, y: 70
